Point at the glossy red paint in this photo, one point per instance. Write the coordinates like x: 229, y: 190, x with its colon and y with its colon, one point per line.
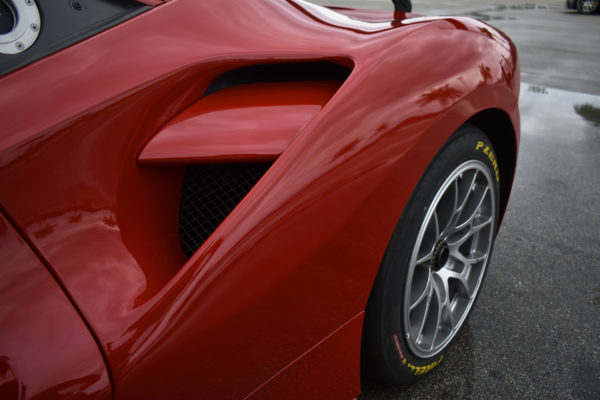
x: 235, y: 124
x: 372, y: 15
x: 46, y: 351
x: 320, y: 366
x: 294, y: 262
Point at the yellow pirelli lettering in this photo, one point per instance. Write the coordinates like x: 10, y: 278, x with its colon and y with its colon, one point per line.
x: 425, y: 369
x: 487, y: 151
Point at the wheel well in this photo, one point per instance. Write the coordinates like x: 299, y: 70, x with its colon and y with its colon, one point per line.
x: 497, y: 126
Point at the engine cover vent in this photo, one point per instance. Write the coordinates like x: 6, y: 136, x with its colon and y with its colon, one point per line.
x: 209, y: 194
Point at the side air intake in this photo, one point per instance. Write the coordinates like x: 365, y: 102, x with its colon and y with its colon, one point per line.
x: 229, y: 137
x: 210, y: 192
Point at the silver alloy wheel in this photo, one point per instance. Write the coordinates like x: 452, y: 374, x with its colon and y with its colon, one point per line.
x: 449, y: 258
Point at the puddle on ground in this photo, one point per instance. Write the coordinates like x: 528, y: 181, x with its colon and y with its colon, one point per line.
x: 589, y: 112
x: 490, y: 14
x: 537, y: 89
x: 560, y: 114
x: 526, y: 6
x: 485, y: 16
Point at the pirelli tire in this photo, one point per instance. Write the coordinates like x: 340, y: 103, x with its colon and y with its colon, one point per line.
x: 435, y: 263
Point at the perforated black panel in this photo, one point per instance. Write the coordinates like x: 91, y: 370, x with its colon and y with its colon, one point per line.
x: 210, y: 193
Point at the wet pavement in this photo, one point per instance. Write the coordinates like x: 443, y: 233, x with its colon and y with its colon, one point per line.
x: 535, y: 331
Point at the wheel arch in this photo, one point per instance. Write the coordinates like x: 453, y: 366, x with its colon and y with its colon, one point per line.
x: 497, y: 125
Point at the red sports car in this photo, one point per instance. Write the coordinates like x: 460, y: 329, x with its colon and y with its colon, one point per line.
x: 226, y: 199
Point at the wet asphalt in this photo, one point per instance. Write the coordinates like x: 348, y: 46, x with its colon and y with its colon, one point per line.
x: 535, y: 331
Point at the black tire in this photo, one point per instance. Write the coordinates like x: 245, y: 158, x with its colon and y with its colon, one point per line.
x: 587, y: 6
x: 421, y: 256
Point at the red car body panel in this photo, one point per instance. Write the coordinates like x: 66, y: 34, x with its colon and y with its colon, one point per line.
x: 272, y: 302
x: 223, y: 126
x: 45, y: 348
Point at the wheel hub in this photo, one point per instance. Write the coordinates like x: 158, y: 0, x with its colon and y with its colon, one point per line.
x: 441, y: 254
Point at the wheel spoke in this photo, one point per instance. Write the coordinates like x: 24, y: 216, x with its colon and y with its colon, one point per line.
x: 430, y: 239
x: 471, y: 189
x: 437, y: 327
x: 426, y: 313
x: 454, y: 318
x: 476, y: 211
x: 460, y: 209
x: 441, y: 306
x: 459, y: 238
x: 449, y: 226
x: 480, y: 223
x: 474, y: 257
x: 465, y: 234
x: 424, y: 294
x: 426, y: 258
x: 462, y: 277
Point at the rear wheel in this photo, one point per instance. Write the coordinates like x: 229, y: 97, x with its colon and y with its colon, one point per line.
x: 435, y: 263
x: 587, y: 6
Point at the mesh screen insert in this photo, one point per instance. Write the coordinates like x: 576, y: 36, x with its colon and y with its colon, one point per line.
x: 209, y: 194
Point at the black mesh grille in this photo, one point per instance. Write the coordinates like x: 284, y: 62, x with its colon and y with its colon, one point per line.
x: 210, y: 193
